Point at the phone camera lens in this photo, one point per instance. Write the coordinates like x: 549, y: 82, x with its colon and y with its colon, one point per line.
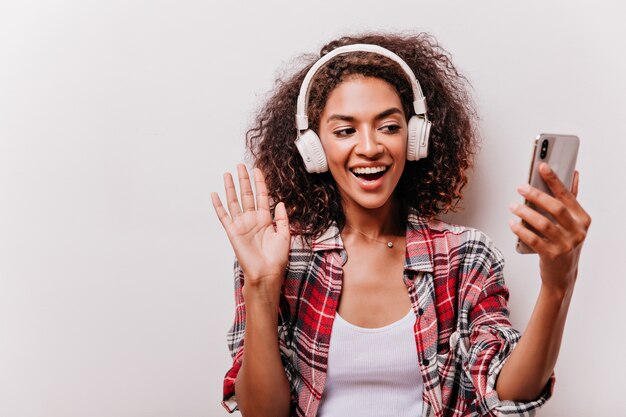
x: 544, y: 149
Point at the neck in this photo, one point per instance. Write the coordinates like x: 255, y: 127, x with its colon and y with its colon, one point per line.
x: 382, y: 221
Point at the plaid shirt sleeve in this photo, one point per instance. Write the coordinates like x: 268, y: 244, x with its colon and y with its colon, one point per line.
x: 490, y: 338
x: 305, y: 303
x: 235, y: 342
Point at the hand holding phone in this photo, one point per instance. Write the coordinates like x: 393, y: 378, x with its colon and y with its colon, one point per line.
x: 554, y: 224
x: 560, y: 153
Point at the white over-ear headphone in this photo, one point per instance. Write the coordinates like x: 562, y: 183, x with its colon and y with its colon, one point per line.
x: 309, y: 144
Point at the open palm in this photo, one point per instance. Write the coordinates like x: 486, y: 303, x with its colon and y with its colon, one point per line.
x: 261, y: 247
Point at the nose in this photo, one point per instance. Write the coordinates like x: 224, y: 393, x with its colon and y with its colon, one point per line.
x: 368, y: 145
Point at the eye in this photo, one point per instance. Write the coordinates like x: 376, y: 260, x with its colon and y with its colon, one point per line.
x: 344, y: 132
x: 390, y: 128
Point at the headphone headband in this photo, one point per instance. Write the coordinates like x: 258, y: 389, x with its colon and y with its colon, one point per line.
x: 419, y: 101
x: 309, y: 144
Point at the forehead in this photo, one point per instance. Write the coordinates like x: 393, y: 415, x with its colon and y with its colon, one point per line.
x: 360, y: 94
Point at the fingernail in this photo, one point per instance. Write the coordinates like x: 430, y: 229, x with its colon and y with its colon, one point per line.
x: 523, y: 189
x: 513, y: 207
x: 511, y: 223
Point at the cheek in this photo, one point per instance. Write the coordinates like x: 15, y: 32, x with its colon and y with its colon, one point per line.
x: 400, y: 149
x: 401, y: 166
x: 399, y: 154
x: 336, y: 152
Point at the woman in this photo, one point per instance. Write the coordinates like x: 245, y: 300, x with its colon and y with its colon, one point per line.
x: 352, y: 298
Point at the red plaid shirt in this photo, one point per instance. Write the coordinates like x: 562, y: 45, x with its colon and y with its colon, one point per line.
x: 462, y: 333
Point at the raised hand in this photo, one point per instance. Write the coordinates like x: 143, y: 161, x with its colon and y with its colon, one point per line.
x: 559, y: 247
x: 261, y: 247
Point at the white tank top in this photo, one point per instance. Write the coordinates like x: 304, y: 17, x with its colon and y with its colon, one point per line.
x: 372, y: 372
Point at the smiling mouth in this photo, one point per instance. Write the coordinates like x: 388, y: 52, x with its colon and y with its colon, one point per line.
x: 369, y: 173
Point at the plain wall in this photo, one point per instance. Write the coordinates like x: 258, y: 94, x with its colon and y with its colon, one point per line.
x: 118, y: 118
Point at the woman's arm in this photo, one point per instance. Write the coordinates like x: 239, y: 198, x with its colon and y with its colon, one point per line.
x: 262, y: 250
x: 528, y: 369
x: 526, y: 372
x: 262, y: 387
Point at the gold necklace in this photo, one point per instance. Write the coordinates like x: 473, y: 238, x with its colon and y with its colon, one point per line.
x: 388, y: 243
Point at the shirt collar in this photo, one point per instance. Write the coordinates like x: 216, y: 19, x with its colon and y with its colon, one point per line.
x: 419, y: 248
x: 329, y: 240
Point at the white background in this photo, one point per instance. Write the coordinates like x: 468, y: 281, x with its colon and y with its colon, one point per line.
x: 118, y: 118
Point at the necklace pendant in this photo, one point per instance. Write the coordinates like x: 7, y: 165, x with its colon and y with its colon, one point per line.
x: 390, y: 245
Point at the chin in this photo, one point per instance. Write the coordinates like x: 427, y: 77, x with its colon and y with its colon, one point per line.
x: 373, y: 204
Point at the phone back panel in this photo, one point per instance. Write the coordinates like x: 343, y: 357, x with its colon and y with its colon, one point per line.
x: 561, y: 154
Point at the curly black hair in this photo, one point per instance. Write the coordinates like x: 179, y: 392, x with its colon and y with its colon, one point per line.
x: 431, y: 185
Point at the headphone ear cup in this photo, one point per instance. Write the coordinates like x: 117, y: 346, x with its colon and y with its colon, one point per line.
x: 417, y: 144
x: 312, y: 152
x: 423, y: 145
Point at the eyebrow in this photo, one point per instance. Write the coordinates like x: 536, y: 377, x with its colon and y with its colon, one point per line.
x: 381, y: 115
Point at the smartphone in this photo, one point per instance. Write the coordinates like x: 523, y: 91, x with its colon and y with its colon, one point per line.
x: 560, y: 152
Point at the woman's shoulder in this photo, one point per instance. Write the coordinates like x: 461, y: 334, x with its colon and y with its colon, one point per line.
x: 447, y: 229
x: 439, y: 228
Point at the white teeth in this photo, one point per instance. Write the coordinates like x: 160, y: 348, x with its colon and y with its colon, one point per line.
x: 369, y: 170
